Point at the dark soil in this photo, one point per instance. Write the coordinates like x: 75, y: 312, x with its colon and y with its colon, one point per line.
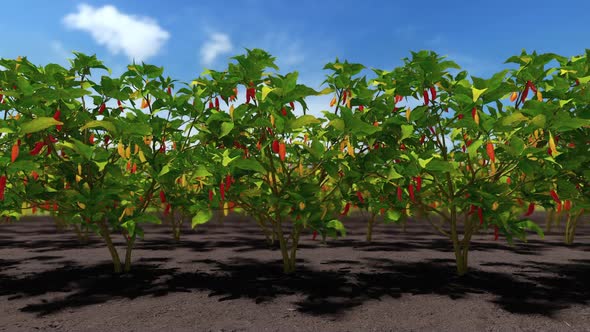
x: 224, y: 277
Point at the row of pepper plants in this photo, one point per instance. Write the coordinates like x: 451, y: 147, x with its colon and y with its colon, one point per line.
x: 106, y: 155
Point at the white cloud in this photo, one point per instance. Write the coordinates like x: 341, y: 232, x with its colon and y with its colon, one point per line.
x: 217, y: 44
x: 137, y: 37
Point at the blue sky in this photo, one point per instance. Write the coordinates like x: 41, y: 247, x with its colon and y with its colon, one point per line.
x: 188, y: 36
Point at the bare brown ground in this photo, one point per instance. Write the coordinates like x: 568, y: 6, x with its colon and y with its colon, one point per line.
x: 224, y: 277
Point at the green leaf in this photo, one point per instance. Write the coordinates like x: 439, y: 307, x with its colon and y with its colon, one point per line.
x: 392, y: 215
x: 249, y: 164
x: 336, y: 225
x: 202, y: 172
x: 129, y: 225
x: 529, y: 224
x: 539, y: 121
x: 101, y: 165
x: 165, y: 170
x: 338, y: 124
x: 100, y: 123
x: 201, y: 217
x: 22, y: 165
x: 265, y: 91
x: 472, y: 149
x: 360, y: 128
x: 226, y: 159
x: 407, y: 131
x: 82, y: 149
x: 477, y: 93
x: 148, y: 218
x: 440, y: 165
x: 39, y: 124
x: 393, y: 174
x: 424, y: 162
x: 513, y: 119
x: 226, y: 128
x: 302, y: 121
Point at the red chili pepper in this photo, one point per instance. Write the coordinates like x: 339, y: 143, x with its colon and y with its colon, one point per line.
x: 210, y: 195
x: 284, y: 111
x: 222, y: 190
x: 227, y: 181
x: 120, y: 105
x: 532, y: 86
x: 2, y: 186
x: 35, y: 175
x: 167, y: 209
x: 162, y: 196
x: 292, y: 104
x: 433, y: 92
x: 554, y: 196
x: 480, y: 215
x: 473, y: 112
x: 170, y: 90
x: 418, y: 183
x: 422, y: 138
x: 568, y: 205
x: 559, y: 206
x: 134, y: 168
x: 216, y: 102
x: 432, y: 130
x: 37, y: 148
x: 346, y: 208
x: 463, y: 148
x: 107, y: 139
x: 210, y: 104
x: 91, y: 139
x: 101, y: 109
x: 315, y: 234
x: 460, y: 116
x: 425, y: 94
x: 128, y: 167
x: 360, y: 197
x: 275, y: 146
x: 56, y: 117
x: 472, y: 209
x: 343, y: 97
x: 411, y: 191
x: 361, y: 108
x: 399, y: 194
x: 496, y: 233
x: 530, y: 210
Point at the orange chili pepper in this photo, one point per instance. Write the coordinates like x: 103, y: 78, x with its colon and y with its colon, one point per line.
x: 15, y: 151
x: 282, y: 151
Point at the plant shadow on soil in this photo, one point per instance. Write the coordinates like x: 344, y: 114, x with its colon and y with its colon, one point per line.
x: 536, y: 288
x: 322, y: 292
